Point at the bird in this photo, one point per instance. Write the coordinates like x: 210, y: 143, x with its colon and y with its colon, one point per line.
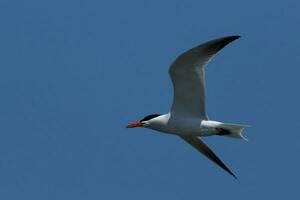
x: 188, y: 118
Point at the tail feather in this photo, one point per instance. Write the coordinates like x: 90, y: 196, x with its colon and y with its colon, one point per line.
x: 235, y: 130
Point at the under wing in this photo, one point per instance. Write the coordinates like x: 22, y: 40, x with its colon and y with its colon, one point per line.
x: 198, y: 144
x: 188, y: 78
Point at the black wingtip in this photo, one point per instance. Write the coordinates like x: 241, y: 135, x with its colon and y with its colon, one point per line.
x: 216, y: 45
x: 229, y: 172
x: 232, y: 38
x: 236, y: 36
x: 232, y: 174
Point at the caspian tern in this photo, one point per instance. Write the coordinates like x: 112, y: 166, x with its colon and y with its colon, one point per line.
x: 188, y: 118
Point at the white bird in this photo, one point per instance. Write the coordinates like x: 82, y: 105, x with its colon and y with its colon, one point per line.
x: 188, y: 118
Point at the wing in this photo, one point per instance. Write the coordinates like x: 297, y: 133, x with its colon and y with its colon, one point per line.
x: 187, y: 74
x: 198, y: 144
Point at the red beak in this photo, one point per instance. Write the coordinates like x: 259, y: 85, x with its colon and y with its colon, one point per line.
x: 134, y: 124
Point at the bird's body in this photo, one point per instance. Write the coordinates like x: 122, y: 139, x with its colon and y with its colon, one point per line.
x: 187, y: 117
x: 168, y: 123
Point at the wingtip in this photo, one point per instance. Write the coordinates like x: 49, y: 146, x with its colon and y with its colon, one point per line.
x: 231, y: 173
x: 234, y: 37
x: 234, y: 176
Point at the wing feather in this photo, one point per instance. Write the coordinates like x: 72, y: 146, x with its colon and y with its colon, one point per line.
x: 198, y: 144
x: 188, y: 78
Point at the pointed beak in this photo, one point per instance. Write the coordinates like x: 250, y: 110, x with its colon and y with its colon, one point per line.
x: 134, y: 124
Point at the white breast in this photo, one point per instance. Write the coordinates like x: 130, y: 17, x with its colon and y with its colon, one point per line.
x: 182, y: 126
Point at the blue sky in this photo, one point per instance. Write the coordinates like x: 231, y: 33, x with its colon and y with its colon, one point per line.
x: 74, y: 73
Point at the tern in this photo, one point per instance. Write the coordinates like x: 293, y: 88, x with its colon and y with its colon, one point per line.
x: 188, y: 118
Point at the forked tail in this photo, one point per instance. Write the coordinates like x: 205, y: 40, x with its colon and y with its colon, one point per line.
x: 233, y: 130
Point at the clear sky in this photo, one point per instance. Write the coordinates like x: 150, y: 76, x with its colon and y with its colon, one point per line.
x: 74, y: 73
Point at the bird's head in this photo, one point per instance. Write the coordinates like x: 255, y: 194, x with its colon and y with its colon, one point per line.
x: 143, y: 122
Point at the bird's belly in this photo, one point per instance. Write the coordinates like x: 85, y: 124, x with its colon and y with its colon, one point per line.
x: 197, y: 131
x: 187, y: 128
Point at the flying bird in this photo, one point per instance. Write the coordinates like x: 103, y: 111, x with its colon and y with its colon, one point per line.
x: 188, y: 118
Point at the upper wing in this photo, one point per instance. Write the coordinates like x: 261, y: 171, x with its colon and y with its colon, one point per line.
x: 187, y: 74
x: 203, y: 148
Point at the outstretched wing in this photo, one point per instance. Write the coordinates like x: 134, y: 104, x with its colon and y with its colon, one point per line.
x: 187, y: 74
x: 198, y: 144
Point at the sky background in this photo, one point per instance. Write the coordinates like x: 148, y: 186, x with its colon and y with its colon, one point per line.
x: 74, y: 73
